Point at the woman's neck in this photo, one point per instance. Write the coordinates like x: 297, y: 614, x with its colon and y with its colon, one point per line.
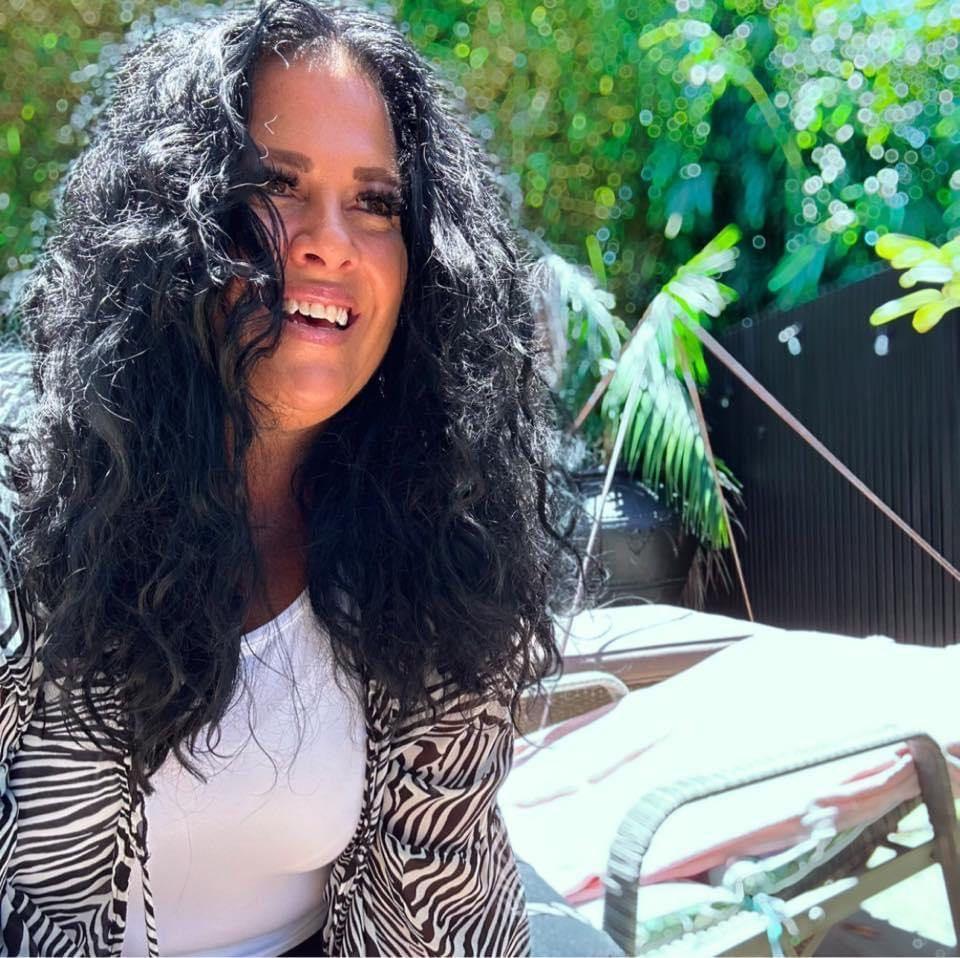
x: 277, y: 524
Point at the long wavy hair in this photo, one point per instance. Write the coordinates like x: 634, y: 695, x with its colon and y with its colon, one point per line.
x: 430, y: 499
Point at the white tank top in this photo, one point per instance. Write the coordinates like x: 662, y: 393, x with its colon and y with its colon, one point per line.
x: 238, y: 865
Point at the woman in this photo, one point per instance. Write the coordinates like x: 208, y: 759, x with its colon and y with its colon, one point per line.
x: 284, y: 543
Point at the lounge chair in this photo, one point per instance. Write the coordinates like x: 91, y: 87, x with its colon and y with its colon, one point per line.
x: 624, y: 764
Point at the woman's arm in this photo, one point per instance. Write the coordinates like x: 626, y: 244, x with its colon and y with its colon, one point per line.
x: 19, y: 680
x: 443, y: 861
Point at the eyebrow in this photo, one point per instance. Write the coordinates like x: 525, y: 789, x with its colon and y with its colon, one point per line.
x: 303, y: 163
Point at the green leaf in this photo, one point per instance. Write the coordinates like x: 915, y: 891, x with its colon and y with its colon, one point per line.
x: 908, y: 249
x: 791, y: 266
x: 596, y: 259
x: 905, y: 304
x: 718, y: 255
x: 926, y: 317
x: 651, y: 454
x: 949, y: 251
x: 926, y: 273
x: 798, y: 273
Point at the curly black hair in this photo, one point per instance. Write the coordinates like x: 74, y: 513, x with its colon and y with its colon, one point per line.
x: 434, y: 509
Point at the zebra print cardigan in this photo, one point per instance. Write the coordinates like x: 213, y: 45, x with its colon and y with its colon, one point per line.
x: 429, y: 870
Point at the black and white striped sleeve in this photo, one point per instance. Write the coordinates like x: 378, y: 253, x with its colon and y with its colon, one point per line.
x: 446, y: 871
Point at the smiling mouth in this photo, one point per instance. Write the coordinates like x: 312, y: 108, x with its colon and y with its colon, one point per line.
x: 319, y: 315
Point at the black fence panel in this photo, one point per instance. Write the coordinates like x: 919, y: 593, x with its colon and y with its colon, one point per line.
x: 885, y: 401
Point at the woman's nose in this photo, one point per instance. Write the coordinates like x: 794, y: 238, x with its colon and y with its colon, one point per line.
x: 323, y: 240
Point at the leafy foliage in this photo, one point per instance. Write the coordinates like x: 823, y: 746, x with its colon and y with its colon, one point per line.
x: 55, y: 55
x: 584, y: 335
x: 924, y: 263
x: 815, y: 128
x: 646, y: 397
x: 663, y: 430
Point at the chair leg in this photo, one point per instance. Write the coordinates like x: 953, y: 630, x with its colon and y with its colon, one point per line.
x: 786, y: 945
x: 808, y: 947
x: 938, y: 797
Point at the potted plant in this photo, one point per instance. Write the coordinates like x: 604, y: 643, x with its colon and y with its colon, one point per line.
x: 657, y: 496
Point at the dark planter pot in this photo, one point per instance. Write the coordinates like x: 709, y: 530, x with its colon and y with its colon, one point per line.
x: 646, y: 552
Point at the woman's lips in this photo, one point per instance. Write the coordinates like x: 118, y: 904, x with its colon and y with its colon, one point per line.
x: 336, y: 315
x: 314, y: 309
x: 325, y: 293
x: 320, y: 332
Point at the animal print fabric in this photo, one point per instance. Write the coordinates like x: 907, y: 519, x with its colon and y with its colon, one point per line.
x: 429, y: 870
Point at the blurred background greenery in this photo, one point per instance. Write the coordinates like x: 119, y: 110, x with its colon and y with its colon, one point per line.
x: 627, y: 130
x: 627, y: 134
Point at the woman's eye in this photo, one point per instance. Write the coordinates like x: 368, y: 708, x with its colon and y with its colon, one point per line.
x: 277, y: 182
x: 381, y: 204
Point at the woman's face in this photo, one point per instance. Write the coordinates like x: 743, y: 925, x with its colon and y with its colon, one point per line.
x: 324, y: 133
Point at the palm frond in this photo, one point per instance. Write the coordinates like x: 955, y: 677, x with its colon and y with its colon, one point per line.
x: 662, y: 440
x: 647, y: 414
x: 582, y: 334
x: 577, y: 310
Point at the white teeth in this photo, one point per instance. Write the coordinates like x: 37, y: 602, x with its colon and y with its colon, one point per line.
x: 334, y: 314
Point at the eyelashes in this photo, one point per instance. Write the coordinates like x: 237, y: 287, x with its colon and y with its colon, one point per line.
x: 382, y: 202
x: 275, y: 175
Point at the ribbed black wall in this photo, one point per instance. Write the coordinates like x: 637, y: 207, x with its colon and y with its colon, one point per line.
x: 816, y: 553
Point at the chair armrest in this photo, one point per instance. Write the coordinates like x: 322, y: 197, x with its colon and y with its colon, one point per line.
x: 641, y: 823
x: 567, y: 696
x: 639, y: 668
x: 644, y: 644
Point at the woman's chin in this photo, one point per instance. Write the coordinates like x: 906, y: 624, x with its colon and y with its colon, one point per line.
x: 304, y: 405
